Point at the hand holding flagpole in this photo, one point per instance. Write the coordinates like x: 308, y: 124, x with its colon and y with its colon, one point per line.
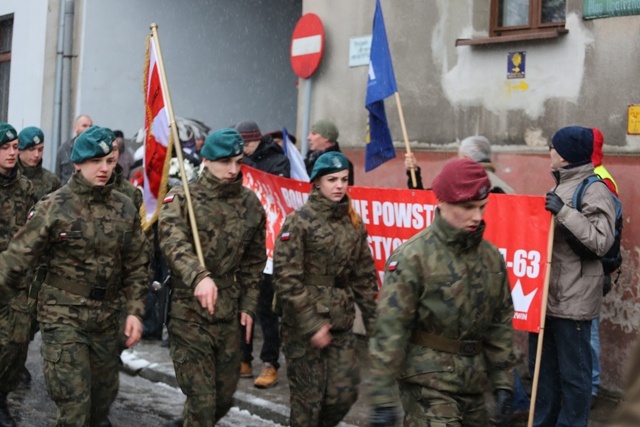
x: 406, y: 138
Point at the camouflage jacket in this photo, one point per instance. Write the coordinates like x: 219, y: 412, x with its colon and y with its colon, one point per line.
x: 126, y: 188
x: 91, y: 237
x: 232, y: 232
x: 44, y: 181
x: 449, y: 283
x: 16, y: 198
x: 323, y: 267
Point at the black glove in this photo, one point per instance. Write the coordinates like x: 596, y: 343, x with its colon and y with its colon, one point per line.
x: 554, y: 203
x: 384, y: 416
x: 504, y: 409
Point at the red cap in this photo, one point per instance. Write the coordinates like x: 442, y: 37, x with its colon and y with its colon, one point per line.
x: 461, y: 180
x: 598, y: 142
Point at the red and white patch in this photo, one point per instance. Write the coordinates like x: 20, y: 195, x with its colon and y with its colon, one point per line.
x: 62, y: 235
x: 285, y: 236
x: 31, y: 214
x: 392, y: 266
x: 169, y: 198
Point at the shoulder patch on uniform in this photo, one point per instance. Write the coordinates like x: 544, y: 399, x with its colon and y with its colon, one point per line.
x: 285, y: 236
x: 392, y: 266
x: 169, y: 198
x: 31, y: 214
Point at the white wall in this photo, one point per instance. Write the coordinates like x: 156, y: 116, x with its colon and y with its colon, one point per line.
x: 225, y: 60
x: 27, y: 60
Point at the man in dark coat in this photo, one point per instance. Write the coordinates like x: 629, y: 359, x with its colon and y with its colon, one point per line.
x: 323, y: 138
x: 263, y: 153
x: 64, y: 165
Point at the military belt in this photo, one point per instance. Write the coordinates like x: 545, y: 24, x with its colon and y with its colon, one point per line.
x: 327, y: 281
x: 448, y: 345
x: 82, y: 288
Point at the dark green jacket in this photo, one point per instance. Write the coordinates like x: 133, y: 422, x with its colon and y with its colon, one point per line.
x: 453, y: 284
x: 16, y: 198
x: 232, y: 231
x: 91, y: 236
x: 126, y: 188
x: 44, y: 181
x: 322, y: 267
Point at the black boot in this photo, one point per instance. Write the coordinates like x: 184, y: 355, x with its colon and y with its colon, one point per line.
x: 25, y: 377
x: 5, y: 417
x: 105, y: 423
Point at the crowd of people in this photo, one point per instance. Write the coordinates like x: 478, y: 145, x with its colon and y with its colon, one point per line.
x: 73, y: 256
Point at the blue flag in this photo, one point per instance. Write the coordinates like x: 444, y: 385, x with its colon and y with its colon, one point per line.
x: 381, y: 84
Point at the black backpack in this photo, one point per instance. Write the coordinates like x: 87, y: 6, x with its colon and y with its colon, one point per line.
x: 612, y: 260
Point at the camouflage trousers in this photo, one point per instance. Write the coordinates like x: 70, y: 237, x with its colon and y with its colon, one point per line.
x: 206, y: 358
x: 426, y: 407
x: 15, y: 324
x: 323, y: 382
x: 80, y: 372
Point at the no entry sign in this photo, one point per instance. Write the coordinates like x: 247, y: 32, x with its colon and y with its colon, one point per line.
x: 307, y: 45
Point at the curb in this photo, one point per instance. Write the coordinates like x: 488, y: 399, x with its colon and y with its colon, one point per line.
x: 164, y: 373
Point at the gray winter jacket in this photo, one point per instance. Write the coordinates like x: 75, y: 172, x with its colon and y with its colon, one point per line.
x: 575, y: 287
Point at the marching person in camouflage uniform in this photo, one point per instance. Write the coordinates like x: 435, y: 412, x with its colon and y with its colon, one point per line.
x: 203, y: 328
x: 31, y: 146
x: 96, y: 255
x: 443, y: 323
x: 16, y: 198
x: 323, y: 267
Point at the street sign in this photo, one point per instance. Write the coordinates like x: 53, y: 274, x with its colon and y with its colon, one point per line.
x: 307, y: 45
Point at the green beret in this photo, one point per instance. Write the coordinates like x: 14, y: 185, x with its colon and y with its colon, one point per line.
x: 94, y: 142
x: 222, y: 144
x: 7, y: 133
x: 333, y: 161
x: 30, y: 137
x: 327, y: 129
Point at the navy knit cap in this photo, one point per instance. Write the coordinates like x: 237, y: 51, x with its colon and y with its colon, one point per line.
x: 222, y: 144
x: 30, y: 137
x: 95, y: 142
x: 574, y: 144
x: 331, y: 162
x: 7, y: 133
x: 249, y: 130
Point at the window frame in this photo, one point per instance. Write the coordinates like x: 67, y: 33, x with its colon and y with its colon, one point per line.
x: 5, y: 57
x: 535, y: 25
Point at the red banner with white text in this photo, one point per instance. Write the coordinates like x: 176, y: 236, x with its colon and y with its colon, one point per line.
x: 517, y: 225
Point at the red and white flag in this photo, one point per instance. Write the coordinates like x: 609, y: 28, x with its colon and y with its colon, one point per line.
x: 158, y: 142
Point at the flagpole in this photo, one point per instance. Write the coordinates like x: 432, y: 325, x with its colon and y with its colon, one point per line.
x: 543, y: 314
x: 178, y: 146
x: 405, y: 136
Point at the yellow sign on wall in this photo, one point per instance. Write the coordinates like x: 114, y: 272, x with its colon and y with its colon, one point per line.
x: 633, y: 120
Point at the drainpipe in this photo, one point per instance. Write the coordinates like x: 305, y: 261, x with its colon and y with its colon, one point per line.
x: 62, y: 88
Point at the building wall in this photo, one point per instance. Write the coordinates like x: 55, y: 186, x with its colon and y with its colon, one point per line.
x: 224, y: 61
x: 27, y: 60
x: 586, y: 77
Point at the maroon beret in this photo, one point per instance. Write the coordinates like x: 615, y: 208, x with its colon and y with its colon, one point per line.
x: 461, y: 180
